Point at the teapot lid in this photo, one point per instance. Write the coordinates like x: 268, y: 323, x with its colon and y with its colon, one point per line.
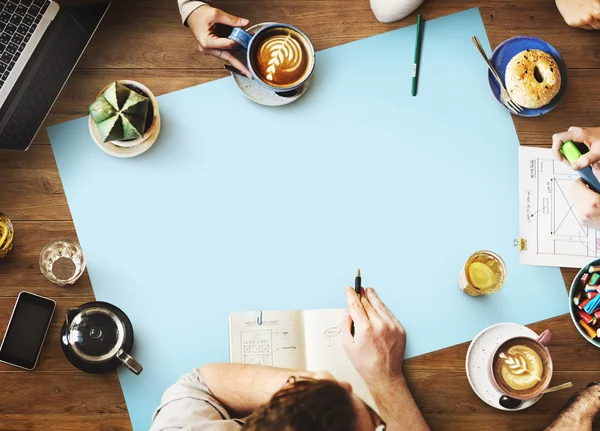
x: 96, y: 334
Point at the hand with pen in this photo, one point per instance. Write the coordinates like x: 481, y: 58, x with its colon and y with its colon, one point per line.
x: 585, y: 200
x: 211, y: 26
x: 377, y: 350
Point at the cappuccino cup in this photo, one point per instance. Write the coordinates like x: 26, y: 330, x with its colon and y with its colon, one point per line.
x: 279, y: 56
x: 521, y: 367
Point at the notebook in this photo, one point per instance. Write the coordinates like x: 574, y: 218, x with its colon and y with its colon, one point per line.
x: 299, y: 340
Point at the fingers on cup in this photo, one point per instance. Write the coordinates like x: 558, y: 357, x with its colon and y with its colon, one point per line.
x: 228, y: 57
x: 214, y: 42
x: 221, y: 17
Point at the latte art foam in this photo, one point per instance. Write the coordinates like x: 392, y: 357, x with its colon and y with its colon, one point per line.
x: 521, y: 367
x: 281, y: 59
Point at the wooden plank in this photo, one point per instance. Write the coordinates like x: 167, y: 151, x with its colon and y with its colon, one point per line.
x: 448, y: 403
x: 66, y: 422
x: 144, y: 40
x: 31, y: 188
x: 84, y: 85
x: 38, y: 394
x: 579, y: 106
x: 20, y: 269
x: 141, y: 34
x: 566, y: 345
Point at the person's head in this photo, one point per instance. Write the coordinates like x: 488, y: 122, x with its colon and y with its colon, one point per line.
x: 320, y: 404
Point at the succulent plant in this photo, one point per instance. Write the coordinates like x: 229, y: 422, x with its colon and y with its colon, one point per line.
x: 120, y: 113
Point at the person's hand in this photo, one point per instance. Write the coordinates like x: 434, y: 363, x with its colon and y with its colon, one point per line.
x: 587, y: 204
x: 590, y: 136
x: 377, y: 348
x: 580, y: 13
x: 211, y: 27
x: 585, y: 200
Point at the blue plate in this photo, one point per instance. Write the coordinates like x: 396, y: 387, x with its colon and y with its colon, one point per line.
x: 511, y: 47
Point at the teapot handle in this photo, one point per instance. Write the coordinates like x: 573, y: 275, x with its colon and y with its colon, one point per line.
x: 133, y: 365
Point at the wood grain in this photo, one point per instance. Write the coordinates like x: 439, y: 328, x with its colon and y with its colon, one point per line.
x: 144, y: 40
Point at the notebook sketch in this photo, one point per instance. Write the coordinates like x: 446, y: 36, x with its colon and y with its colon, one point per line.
x: 547, y: 220
x: 299, y: 340
x: 257, y: 346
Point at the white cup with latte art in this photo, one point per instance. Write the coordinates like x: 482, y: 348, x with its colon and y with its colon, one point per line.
x: 521, y: 367
x: 279, y: 56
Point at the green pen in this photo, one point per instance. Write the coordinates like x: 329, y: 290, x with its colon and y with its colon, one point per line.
x: 417, y: 55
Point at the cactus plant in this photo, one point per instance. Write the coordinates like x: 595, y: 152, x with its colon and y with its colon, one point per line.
x: 120, y: 113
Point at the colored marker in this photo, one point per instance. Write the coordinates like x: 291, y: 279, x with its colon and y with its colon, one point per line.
x: 415, y: 76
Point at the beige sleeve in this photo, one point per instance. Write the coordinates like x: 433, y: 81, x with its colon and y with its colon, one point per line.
x: 186, y: 7
x: 189, y: 405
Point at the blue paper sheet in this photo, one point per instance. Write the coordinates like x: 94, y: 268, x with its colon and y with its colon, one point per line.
x: 276, y: 208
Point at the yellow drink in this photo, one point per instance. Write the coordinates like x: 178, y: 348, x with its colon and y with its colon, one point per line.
x: 6, y: 235
x: 483, y: 273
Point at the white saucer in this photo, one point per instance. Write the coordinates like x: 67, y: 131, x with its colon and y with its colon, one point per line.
x: 259, y: 94
x: 478, y: 359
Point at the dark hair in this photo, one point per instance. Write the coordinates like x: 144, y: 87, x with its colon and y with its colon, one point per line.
x: 306, y: 405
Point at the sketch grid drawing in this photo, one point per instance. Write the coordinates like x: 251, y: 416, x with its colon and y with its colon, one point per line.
x: 257, y: 347
x: 559, y: 231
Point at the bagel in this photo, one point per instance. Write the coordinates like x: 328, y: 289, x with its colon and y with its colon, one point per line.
x: 532, y: 78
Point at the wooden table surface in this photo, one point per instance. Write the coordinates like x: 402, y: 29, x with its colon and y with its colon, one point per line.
x: 144, y: 40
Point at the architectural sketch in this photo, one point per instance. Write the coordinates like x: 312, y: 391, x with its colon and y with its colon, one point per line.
x: 554, y: 234
x: 257, y: 347
x: 331, y: 332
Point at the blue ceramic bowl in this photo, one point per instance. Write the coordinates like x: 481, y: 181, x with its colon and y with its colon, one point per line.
x: 573, y: 307
x: 511, y: 47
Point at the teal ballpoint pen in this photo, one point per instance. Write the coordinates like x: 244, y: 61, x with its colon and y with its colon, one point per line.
x: 415, y: 76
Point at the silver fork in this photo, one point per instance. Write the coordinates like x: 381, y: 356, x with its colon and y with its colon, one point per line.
x: 506, y: 99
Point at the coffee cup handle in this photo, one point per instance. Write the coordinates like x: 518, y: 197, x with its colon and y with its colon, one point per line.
x: 545, y: 337
x: 240, y: 36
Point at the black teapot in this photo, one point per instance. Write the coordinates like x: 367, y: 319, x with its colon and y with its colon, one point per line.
x: 97, y: 337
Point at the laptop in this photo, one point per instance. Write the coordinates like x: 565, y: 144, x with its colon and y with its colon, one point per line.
x: 40, y: 44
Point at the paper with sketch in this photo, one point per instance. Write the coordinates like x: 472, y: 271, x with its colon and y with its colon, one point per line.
x: 300, y: 340
x: 547, y: 219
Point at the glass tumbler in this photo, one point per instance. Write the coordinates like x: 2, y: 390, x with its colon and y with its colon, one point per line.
x: 62, y: 262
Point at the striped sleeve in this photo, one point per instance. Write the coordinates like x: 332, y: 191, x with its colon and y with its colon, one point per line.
x: 186, y: 7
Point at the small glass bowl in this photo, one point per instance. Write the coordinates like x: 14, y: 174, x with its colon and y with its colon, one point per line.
x: 62, y: 262
x: 6, y: 235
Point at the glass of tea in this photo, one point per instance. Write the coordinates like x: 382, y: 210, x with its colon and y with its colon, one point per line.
x: 484, y: 273
x: 62, y: 262
x: 6, y: 235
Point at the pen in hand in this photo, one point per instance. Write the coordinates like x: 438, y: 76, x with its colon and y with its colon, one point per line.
x: 357, y: 289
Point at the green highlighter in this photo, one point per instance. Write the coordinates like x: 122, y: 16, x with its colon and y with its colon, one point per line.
x: 572, y: 153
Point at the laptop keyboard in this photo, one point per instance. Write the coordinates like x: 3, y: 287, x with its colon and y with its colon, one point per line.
x: 18, y: 20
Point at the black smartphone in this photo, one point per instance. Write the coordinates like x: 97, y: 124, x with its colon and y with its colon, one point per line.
x: 27, y: 329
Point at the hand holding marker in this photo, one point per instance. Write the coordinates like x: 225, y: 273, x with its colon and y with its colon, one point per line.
x: 572, y: 153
